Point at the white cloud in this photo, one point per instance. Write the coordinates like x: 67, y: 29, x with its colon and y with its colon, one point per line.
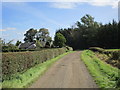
x: 66, y: 5
x: 112, y: 3
x: 69, y: 4
x: 6, y: 29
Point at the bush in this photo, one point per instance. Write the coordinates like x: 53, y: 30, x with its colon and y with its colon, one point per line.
x: 14, y: 62
x: 9, y: 48
x: 69, y: 48
x: 115, y: 55
x: 96, y: 49
x: 38, y: 44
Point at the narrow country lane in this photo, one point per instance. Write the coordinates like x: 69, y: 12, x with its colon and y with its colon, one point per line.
x: 67, y: 72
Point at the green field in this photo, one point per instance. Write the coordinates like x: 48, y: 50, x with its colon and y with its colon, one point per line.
x: 26, y: 78
x: 104, y: 74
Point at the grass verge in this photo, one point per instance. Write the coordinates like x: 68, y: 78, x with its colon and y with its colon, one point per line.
x: 112, y: 49
x: 27, y: 78
x: 104, y: 74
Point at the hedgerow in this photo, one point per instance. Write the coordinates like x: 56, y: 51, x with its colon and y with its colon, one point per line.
x: 115, y: 54
x: 19, y: 62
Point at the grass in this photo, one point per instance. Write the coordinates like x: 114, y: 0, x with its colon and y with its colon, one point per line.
x: 27, y: 78
x: 112, y: 49
x: 104, y: 74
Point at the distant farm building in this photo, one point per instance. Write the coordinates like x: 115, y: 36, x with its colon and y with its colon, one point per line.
x: 27, y: 45
x: 32, y: 45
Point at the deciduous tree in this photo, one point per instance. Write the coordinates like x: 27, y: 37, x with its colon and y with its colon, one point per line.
x: 59, y: 40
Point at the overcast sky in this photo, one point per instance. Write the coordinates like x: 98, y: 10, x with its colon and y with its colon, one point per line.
x: 17, y: 17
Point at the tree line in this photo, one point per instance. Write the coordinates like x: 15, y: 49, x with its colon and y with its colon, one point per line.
x: 89, y: 33
x: 82, y: 35
x: 40, y: 38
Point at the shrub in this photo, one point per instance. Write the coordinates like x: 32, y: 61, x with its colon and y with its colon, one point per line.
x: 96, y: 49
x: 69, y: 48
x: 14, y: 62
x: 115, y: 55
x: 38, y: 44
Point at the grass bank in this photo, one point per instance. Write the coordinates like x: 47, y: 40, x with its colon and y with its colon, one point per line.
x: 31, y: 75
x: 104, y: 74
x: 112, y: 49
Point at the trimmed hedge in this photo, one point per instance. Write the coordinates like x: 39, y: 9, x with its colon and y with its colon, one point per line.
x: 19, y: 62
x: 17, y: 50
x: 22, y: 50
